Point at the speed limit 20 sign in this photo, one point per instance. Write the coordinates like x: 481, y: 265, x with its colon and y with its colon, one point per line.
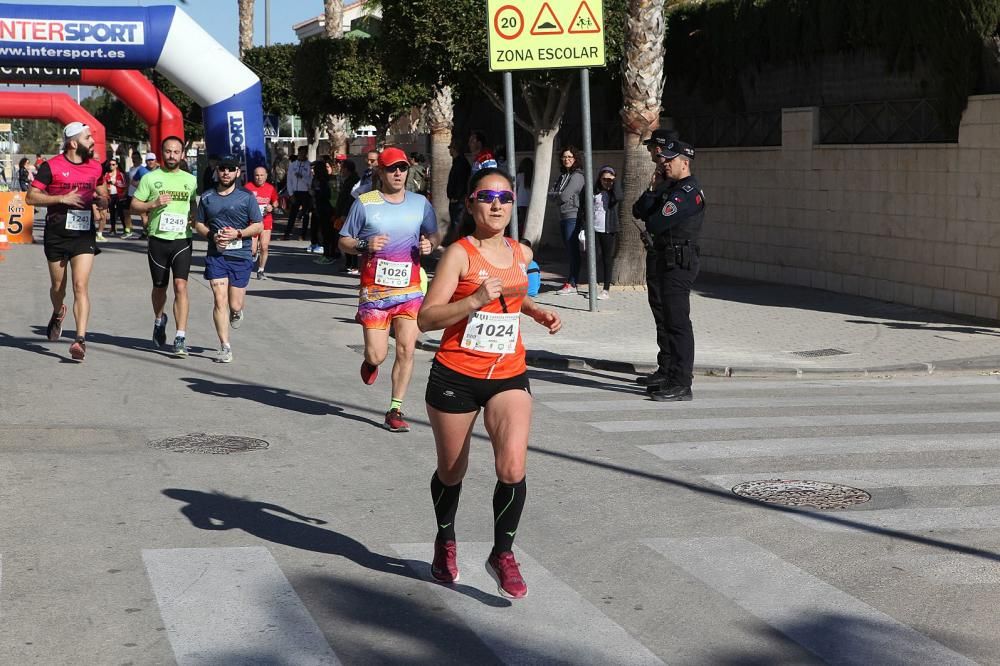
x: 545, y: 34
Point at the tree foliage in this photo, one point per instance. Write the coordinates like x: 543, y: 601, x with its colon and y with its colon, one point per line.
x: 35, y: 136
x: 710, y: 43
x: 275, y: 66
x: 120, y: 122
x: 347, y: 77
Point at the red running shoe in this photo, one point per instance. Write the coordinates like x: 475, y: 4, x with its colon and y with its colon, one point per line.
x: 78, y: 349
x: 503, y: 568
x: 369, y: 373
x: 394, y: 421
x: 54, y: 329
x: 444, y: 568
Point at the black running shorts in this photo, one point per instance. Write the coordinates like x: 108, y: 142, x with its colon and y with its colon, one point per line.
x: 455, y: 393
x: 166, y: 256
x: 58, y: 248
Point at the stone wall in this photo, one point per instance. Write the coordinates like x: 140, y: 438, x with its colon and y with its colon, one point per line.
x: 910, y: 223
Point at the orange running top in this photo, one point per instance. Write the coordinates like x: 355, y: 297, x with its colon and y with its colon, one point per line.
x: 455, y: 351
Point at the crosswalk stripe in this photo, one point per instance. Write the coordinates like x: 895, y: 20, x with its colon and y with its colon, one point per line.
x: 553, y: 624
x: 819, y: 402
x: 232, y: 605
x: 911, y: 520
x: 672, y: 423
x: 810, y: 446
x: 828, y: 622
x: 876, y: 478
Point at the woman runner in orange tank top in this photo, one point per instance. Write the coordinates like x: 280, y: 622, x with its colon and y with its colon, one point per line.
x: 477, y: 296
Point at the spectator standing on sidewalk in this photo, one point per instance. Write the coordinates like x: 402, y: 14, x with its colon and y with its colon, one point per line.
x: 299, y: 187
x: 566, y: 191
x: 349, y: 178
x: 673, y: 208
x: 458, y: 180
x: 479, y: 146
x: 522, y: 186
x: 279, y: 177
x: 607, y: 202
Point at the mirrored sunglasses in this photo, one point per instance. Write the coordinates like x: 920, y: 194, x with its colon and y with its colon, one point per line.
x: 489, y: 196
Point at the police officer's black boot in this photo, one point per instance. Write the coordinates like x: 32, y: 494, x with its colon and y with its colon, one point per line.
x: 656, y: 378
x: 672, y: 394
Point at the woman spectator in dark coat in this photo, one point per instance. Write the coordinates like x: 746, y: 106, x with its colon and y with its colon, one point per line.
x: 607, y: 202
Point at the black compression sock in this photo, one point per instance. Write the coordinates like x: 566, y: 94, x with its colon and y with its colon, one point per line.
x: 445, y: 500
x: 508, y: 503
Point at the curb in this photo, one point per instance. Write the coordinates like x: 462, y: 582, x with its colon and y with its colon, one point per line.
x: 538, y: 358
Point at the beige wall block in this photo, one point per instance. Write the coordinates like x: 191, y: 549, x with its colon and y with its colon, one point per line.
x: 988, y: 307
x: 965, y: 303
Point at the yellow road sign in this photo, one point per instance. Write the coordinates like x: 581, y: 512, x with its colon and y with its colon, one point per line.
x: 545, y: 34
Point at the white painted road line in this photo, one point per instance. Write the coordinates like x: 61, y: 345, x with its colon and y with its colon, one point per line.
x: 553, y: 624
x: 229, y: 606
x: 828, y: 622
x: 673, y: 424
x: 910, y: 520
x: 876, y: 478
x: 811, y: 446
x: 644, y: 404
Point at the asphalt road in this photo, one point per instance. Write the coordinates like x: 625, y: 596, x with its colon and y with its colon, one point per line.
x: 315, y: 550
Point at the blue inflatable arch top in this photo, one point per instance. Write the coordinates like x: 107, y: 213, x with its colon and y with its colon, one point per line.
x: 162, y: 37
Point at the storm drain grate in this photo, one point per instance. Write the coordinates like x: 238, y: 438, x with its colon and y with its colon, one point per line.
x: 814, y: 353
x: 200, y: 442
x: 816, y: 494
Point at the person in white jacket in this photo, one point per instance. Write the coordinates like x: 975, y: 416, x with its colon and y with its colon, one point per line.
x: 299, y: 184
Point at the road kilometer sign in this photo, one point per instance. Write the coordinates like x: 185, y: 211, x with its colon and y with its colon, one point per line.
x: 545, y: 34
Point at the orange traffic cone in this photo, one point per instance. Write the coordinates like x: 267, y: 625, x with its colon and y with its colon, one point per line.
x: 4, y: 245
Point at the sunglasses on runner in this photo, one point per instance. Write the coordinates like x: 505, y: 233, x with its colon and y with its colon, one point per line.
x: 489, y: 196
x: 401, y: 166
x: 229, y: 168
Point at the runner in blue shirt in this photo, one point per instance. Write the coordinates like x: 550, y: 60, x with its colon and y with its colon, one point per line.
x: 228, y: 217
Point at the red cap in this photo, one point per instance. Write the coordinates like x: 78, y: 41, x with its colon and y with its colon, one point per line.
x: 340, y: 157
x: 391, y: 156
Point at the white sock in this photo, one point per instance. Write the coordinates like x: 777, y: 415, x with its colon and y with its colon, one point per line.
x: 180, y: 334
x: 162, y: 317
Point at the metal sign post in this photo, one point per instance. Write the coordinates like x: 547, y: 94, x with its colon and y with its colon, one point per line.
x: 550, y: 34
x: 508, y: 119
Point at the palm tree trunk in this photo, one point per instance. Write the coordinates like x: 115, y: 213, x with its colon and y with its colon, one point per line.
x: 333, y: 18
x: 245, y: 8
x: 642, y: 93
x: 441, y: 120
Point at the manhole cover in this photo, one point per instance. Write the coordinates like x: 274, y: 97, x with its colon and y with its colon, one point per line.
x: 817, y: 494
x: 200, y: 442
x: 813, y: 353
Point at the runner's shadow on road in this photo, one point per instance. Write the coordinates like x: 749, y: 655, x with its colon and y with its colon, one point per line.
x: 276, y: 524
x: 7, y: 340
x: 273, y: 397
x: 906, y: 326
x: 312, y: 295
x: 138, y: 344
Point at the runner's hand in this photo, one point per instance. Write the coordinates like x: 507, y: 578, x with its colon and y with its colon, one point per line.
x: 549, y: 320
x: 425, y: 245
x: 72, y: 199
x: 488, y: 291
x: 163, y: 200
x: 377, y: 243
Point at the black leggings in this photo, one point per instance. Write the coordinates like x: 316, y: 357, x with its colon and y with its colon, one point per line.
x: 606, y: 242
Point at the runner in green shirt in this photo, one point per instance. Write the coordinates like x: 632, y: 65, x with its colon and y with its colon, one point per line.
x: 169, y: 196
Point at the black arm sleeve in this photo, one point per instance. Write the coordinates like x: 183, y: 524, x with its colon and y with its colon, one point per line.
x: 44, y: 174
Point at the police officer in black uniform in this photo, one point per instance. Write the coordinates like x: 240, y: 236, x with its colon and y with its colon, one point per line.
x: 660, y: 138
x: 673, y: 209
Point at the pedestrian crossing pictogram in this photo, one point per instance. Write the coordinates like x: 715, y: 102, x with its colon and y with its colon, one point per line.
x: 546, y: 23
x: 584, y: 21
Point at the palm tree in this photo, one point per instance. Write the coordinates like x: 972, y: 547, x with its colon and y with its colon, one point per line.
x: 245, y: 8
x: 642, y: 93
x: 333, y: 27
x: 441, y: 120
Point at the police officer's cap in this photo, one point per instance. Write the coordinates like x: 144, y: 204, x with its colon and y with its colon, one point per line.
x: 661, y: 137
x: 675, y: 148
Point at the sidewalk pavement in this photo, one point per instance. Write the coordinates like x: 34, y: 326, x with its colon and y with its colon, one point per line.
x: 744, y: 327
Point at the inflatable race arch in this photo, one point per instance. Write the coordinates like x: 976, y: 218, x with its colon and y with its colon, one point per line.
x: 59, y: 107
x: 161, y: 116
x: 162, y: 37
